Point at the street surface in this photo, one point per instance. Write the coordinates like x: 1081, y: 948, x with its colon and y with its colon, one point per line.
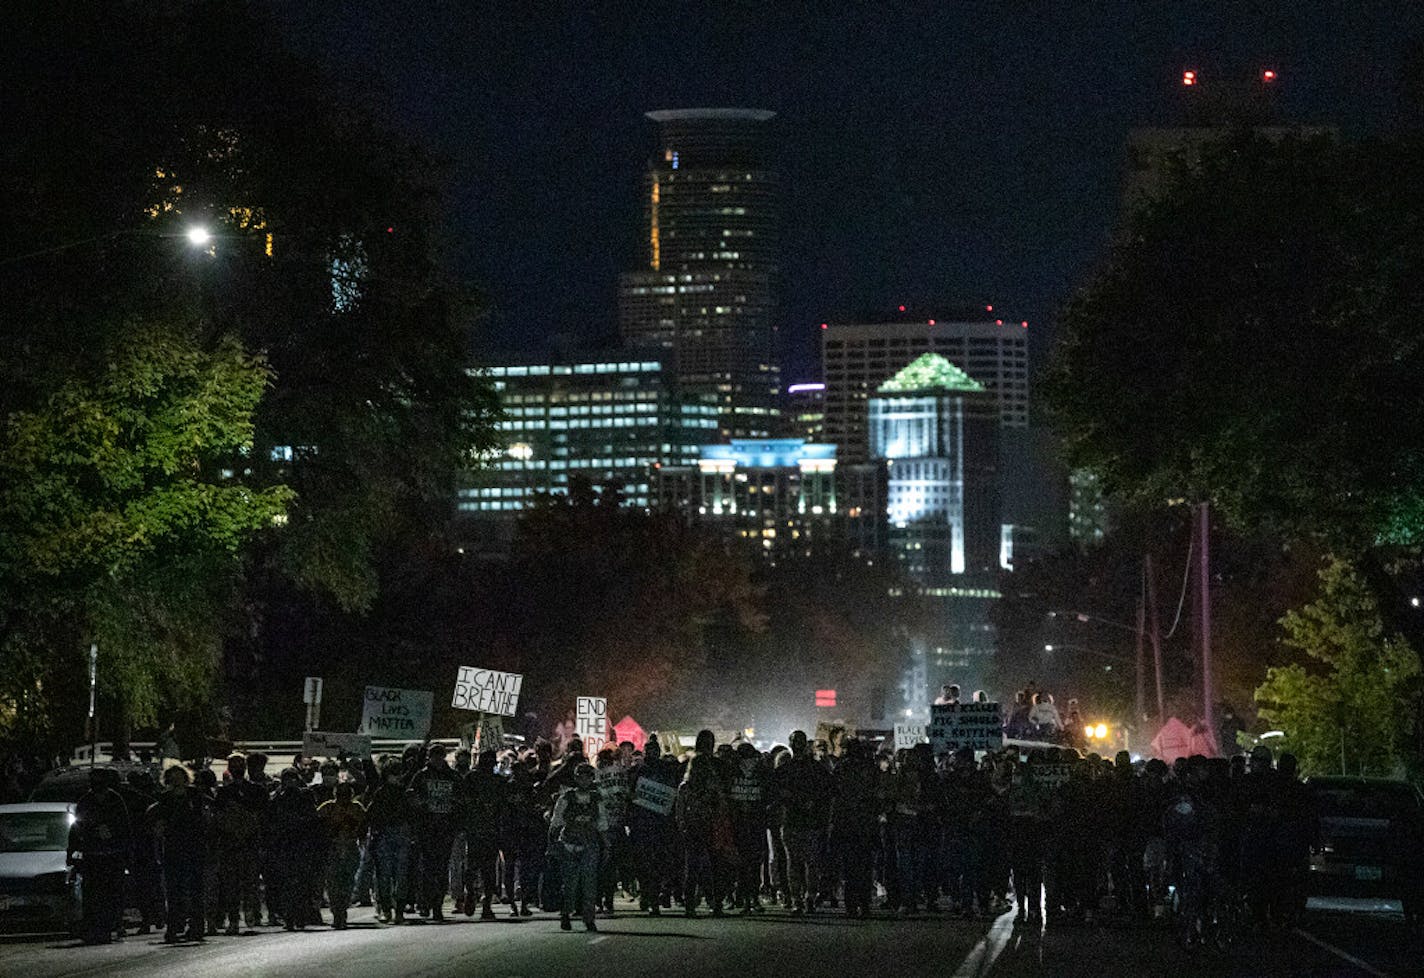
x: 822, y: 946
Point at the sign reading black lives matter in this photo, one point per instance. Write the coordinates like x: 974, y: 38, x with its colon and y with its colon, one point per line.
x: 978, y: 726
x: 400, y: 713
x: 487, y: 691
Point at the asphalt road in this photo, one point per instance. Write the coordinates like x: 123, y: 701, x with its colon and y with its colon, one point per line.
x: 821, y: 946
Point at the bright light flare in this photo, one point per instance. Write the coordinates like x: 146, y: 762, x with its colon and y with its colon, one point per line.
x: 1189, y: 78
x: 199, y: 236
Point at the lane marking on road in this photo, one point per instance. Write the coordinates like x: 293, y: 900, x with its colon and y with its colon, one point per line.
x: 987, y: 951
x: 600, y: 937
x: 1364, y: 966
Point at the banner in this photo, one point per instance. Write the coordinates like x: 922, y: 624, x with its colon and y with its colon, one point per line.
x: 834, y: 735
x: 907, y: 735
x: 316, y: 743
x: 978, y: 726
x: 591, y: 724
x: 654, y: 796
x: 400, y: 713
x: 487, y: 691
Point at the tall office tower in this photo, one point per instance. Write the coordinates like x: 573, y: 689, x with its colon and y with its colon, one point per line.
x: 858, y: 357
x: 803, y: 411
x: 706, y: 298
x: 938, y: 430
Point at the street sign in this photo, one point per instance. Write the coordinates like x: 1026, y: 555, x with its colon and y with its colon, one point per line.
x: 311, y: 691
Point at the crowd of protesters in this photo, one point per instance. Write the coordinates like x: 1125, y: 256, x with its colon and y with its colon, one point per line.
x: 862, y: 831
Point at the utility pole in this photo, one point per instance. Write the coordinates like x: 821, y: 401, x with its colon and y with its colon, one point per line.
x: 1208, y: 687
x: 93, y: 701
x: 1141, y: 650
x: 1156, y: 637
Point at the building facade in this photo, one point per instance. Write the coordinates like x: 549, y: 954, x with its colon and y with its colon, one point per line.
x: 858, y: 357
x: 781, y: 495
x: 803, y: 411
x: 608, y: 421
x: 705, y: 297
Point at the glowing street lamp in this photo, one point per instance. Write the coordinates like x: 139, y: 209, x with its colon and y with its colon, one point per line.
x: 198, y: 236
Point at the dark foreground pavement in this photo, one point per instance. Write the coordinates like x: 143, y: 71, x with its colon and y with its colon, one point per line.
x: 776, y: 945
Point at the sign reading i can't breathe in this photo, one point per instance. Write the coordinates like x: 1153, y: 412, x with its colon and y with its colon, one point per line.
x: 487, y: 691
x: 591, y: 723
x: 978, y: 726
x: 401, y: 713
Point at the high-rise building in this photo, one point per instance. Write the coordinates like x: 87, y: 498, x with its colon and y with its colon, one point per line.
x: 779, y: 494
x: 858, y: 357
x: 609, y: 421
x: 803, y: 411
x: 937, y: 430
x: 706, y: 296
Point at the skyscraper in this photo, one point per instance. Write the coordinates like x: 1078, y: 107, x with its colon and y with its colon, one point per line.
x: 706, y: 297
x: 858, y: 357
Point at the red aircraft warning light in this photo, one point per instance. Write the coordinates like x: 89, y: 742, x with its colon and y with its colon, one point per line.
x: 825, y: 697
x: 1268, y: 76
x: 1189, y: 78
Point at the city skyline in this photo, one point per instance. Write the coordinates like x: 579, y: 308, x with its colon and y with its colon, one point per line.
x: 952, y: 155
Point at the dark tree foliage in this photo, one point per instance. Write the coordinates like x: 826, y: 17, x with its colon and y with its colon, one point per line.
x: 131, y: 122
x: 1253, y: 339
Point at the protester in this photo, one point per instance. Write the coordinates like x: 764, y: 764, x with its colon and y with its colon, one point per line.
x: 578, y: 826
x: 100, y: 844
x: 180, y: 819
x: 343, y: 820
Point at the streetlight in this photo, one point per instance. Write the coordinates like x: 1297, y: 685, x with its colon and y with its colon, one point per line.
x: 198, y: 236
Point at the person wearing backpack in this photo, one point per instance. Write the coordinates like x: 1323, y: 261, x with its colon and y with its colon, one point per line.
x: 579, y: 826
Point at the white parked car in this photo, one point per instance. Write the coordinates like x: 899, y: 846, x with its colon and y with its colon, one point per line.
x: 37, y: 890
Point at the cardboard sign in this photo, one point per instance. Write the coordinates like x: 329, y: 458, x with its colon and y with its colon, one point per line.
x: 834, y: 735
x: 400, y: 713
x: 591, y: 723
x: 907, y: 735
x: 316, y: 743
x: 487, y: 691
x: 978, y: 726
x: 655, y: 796
x: 486, y: 733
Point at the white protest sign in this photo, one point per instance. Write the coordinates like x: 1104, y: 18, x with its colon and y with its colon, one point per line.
x: 907, y: 735
x: 978, y: 726
x: 489, y: 733
x: 654, y: 796
x: 613, y: 787
x: 591, y: 723
x: 487, y: 691
x: 400, y: 713
x: 317, y: 743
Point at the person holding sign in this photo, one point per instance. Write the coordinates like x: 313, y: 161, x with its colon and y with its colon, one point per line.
x: 432, y: 799
x: 580, y: 826
x: 650, y: 825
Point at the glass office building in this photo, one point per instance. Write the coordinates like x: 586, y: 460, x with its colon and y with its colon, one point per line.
x: 609, y: 421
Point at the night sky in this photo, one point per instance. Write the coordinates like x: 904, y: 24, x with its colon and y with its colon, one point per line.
x: 934, y: 154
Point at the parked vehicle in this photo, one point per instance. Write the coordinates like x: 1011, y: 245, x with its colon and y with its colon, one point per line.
x: 1369, y: 846
x: 37, y: 890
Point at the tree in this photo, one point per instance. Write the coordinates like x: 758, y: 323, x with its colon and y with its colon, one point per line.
x: 1251, y: 341
x: 1352, y: 707
x: 121, y: 521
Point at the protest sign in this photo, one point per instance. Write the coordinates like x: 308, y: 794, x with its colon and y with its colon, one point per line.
x: 316, y: 743
x: 834, y: 735
x: 400, y: 713
x: 487, y: 691
x: 591, y: 723
x: 978, y: 726
x: 485, y: 733
x: 654, y: 796
x: 613, y: 786
x: 907, y: 735
x: 1053, y: 775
